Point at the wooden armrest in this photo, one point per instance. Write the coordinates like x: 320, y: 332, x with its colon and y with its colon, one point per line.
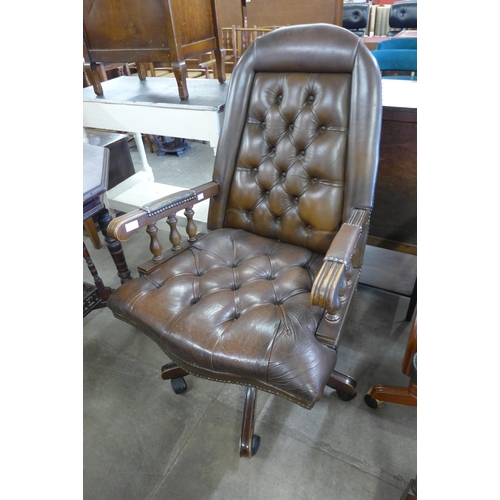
x: 333, y: 278
x: 122, y: 228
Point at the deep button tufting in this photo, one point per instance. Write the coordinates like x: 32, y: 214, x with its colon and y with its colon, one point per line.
x: 314, y: 180
x: 302, y: 153
x: 255, y: 170
x: 296, y: 199
x: 323, y: 128
x: 309, y: 226
x: 310, y: 98
x: 283, y: 175
x: 290, y: 127
x: 280, y: 98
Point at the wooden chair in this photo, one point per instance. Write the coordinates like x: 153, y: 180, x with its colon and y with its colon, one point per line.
x: 262, y: 299
x: 243, y: 37
x: 167, y: 31
x: 228, y: 44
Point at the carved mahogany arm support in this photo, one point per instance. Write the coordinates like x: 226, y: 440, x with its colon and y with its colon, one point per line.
x: 122, y: 228
x: 334, y: 277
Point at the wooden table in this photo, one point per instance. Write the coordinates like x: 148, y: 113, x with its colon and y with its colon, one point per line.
x: 95, y: 180
x: 153, y: 106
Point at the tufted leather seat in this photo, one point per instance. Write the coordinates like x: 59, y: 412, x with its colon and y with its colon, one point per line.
x: 261, y: 299
x: 244, y: 299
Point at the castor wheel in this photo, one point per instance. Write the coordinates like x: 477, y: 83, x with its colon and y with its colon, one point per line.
x: 179, y: 385
x: 346, y: 396
x: 255, y: 444
x: 371, y: 402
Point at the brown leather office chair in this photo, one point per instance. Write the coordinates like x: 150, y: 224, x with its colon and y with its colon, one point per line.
x: 262, y: 298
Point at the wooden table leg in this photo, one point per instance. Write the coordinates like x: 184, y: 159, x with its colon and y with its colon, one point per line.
x: 94, y: 296
x: 114, y: 247
x: 92, y: 232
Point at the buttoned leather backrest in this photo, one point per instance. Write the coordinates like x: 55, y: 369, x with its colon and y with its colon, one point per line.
x: 299, y: 144
x: 355, y: 15
x: 403, y: 15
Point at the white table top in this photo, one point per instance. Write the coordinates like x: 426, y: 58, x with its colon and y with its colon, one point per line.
x: 205, y: 93
x: 399, y: 93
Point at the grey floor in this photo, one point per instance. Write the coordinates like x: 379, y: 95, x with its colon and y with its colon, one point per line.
x: 141, y: 441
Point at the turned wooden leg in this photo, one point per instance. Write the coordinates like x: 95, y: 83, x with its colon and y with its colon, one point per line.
x: 249, y: 442
x: 114, y: 247
x: 91, y: 302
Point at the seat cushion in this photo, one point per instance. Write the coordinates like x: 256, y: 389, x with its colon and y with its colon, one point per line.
x: 234, y: 307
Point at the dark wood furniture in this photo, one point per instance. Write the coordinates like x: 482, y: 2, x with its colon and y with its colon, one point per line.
x: 394, y: 219
x: 149, y: 31
x: 288, y: 12
x: 231, y: 12
x: 393, y: 224
x: 95, y: 179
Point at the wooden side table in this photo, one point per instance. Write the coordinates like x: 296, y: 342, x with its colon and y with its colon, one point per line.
x: 95, y: 180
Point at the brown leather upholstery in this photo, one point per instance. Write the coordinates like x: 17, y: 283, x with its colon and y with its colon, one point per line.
x: 298, y: 152
x: 235, y: 307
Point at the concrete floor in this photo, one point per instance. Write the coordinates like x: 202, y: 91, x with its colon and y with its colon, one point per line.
x: 141, y: 441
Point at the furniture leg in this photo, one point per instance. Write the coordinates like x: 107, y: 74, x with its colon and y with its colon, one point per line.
x: 142, y: 71
x: 146, y: 168
x: 150, y: 144
x: 180, y: 73
x: 249, y: 442
x: 95, y: 297
x: 92, y: 72
x: 92, y: 232
x: 399, y: 395
x: 392, y: 394
x: 114, y: 247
